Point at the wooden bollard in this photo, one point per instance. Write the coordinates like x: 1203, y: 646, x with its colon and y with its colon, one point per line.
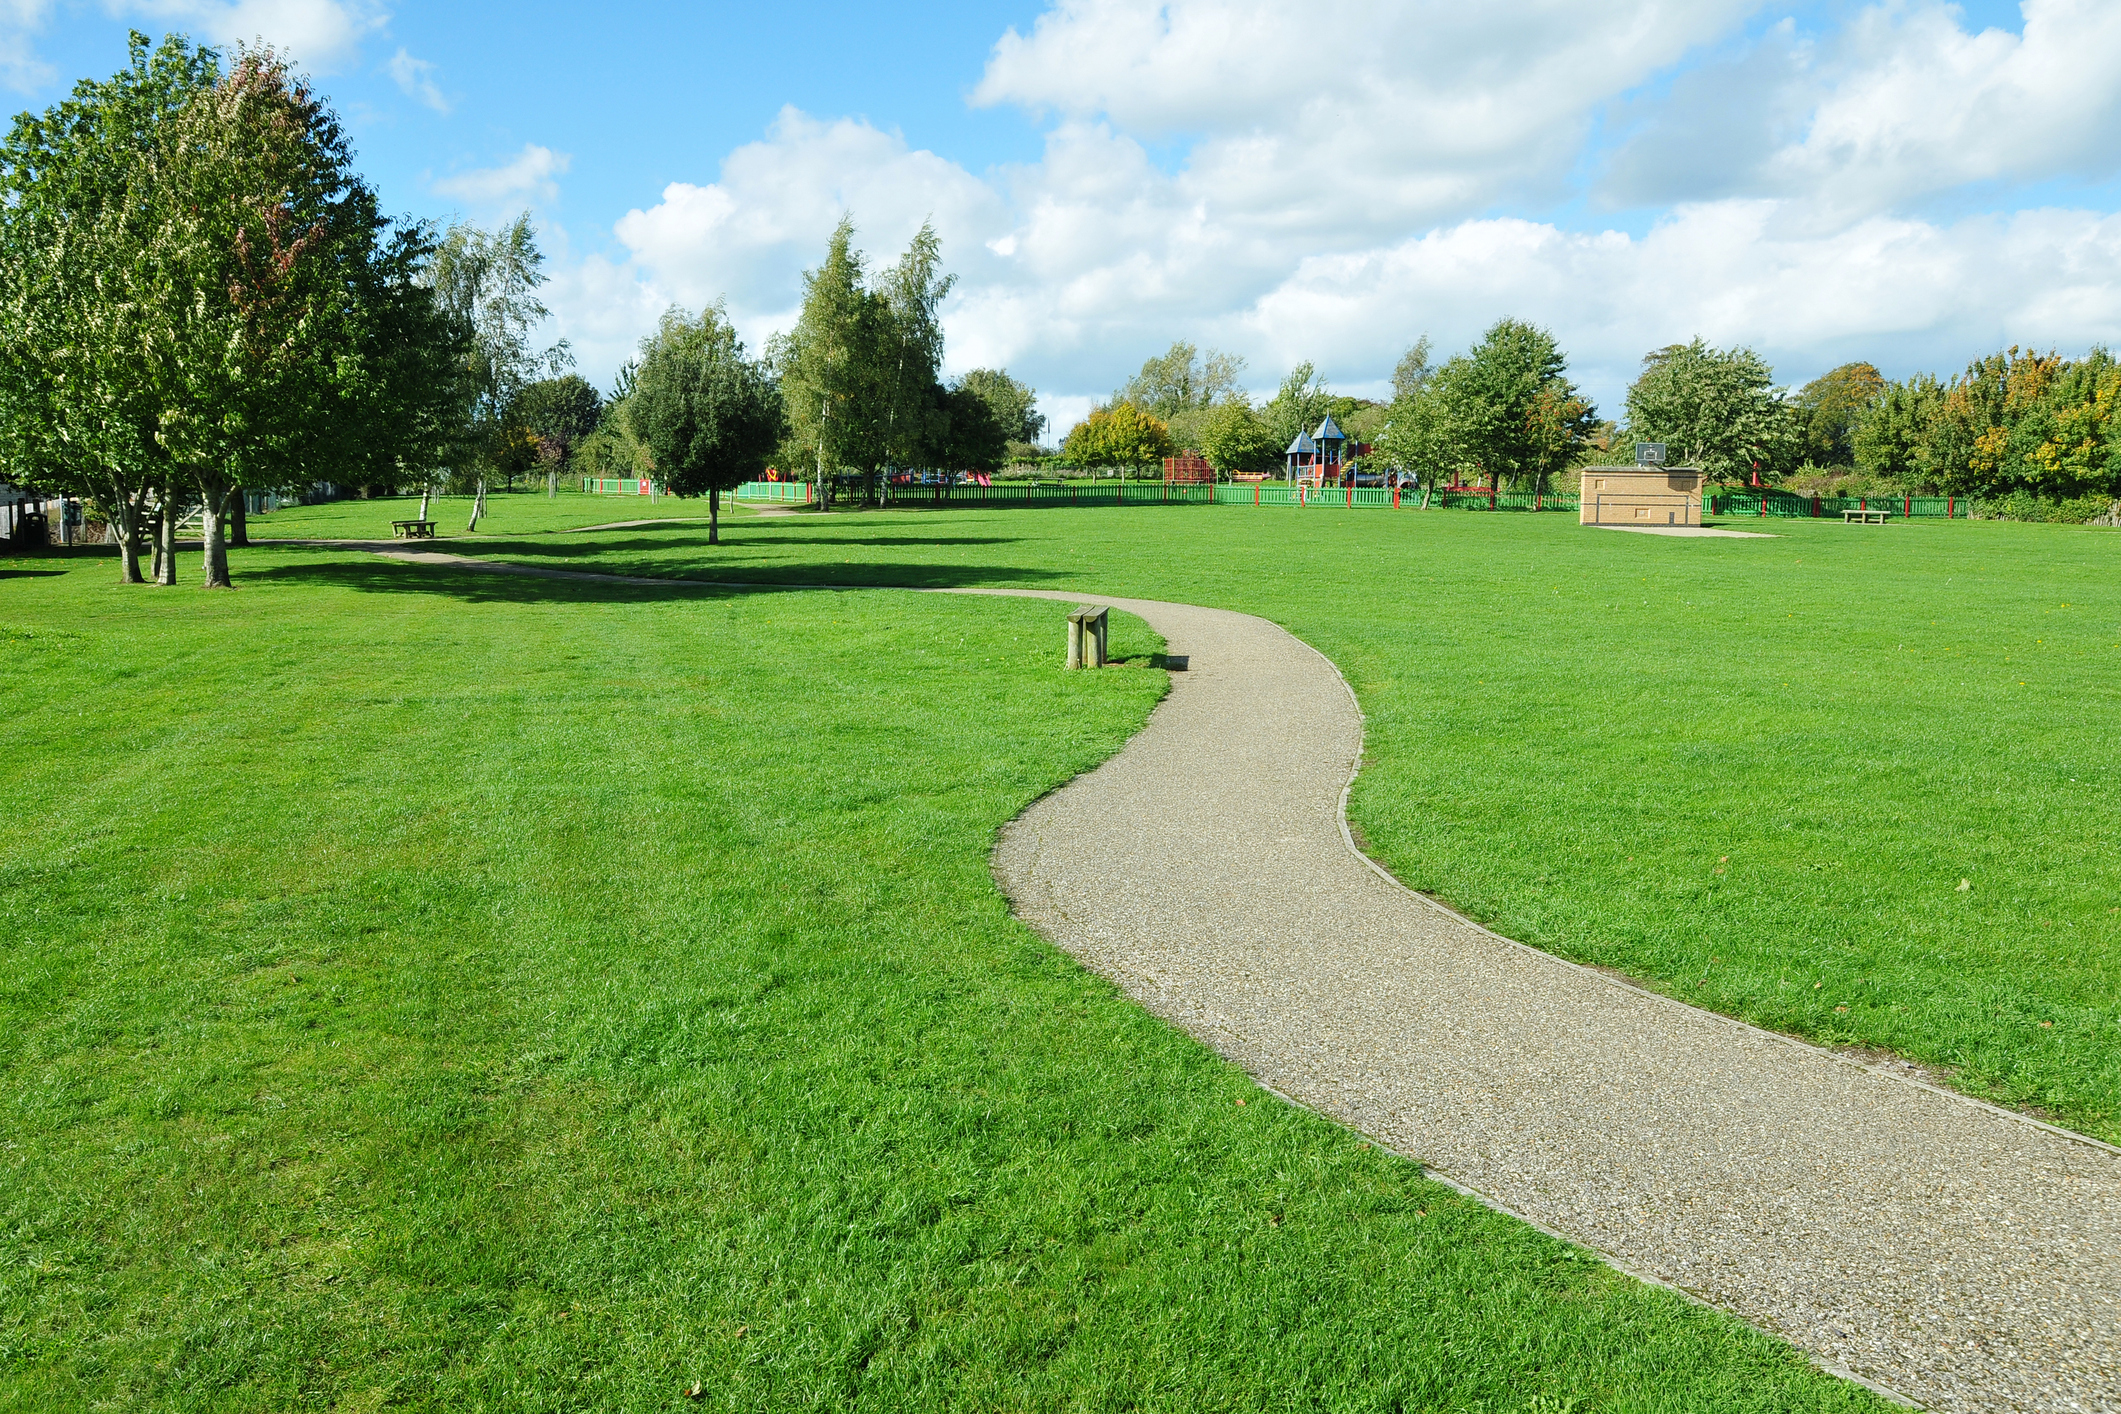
x: 1088, y: 643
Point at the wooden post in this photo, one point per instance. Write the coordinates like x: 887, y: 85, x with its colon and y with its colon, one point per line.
x: 1096, y: 646
x: 1075, y: 639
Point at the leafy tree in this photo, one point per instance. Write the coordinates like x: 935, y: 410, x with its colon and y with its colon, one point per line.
x: 910, y: 342
x: 1014, y: 404
x: 1829, y: 408
x: 1119, y: 436
x: 1893, y: 437
x: 709, y: 416
x: 1300, y: 404
x: 1508, y: 408
x: 1182, y: 379
x: 78, y: 413
x: 973, y: 436
x: 558, y: 413
x: 260, y: 234
x: 1412, y: 373
x: 487, y: 282
x: 1718, y: 408
x: 828, y: 365
x: 1234, y: 437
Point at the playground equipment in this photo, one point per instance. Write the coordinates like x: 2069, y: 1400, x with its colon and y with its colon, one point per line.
x: 1318, y: 459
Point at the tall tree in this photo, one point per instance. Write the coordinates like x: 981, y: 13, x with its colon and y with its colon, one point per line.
x: 1718, y: 408
x: 709, y: 415
x: 828, y: 368
x: 1830, y: 406
x: 1013, y: 403
x: 259, y: 230
x: 1509, y: 407
x: 1234, y: 437
x: 1299, y: 405
x: 558, y: 414
x: 78, y: 413
x: 910, y: 356
x: 487, y: 281
x: 1412, y: 373
x: 1182, y: 379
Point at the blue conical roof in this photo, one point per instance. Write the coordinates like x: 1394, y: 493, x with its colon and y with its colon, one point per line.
x: 1327, y: 429
x: 1302, y: 446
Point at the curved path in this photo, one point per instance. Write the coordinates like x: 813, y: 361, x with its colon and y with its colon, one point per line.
x: 1935, y: 1246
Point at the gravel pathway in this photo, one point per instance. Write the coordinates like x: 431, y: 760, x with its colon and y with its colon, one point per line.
x: 1938, y: 1248
x: 1955, y: 1253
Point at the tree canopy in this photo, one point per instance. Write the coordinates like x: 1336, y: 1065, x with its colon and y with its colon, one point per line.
x: 1121, y: 436
x: 1718, y: 409
x: 709, y: 416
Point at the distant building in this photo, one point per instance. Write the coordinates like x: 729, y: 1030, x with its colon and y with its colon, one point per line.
x: 1640, y: 495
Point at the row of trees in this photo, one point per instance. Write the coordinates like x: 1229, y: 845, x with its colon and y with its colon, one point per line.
x: 1505, y: 412
x: 197, y: 294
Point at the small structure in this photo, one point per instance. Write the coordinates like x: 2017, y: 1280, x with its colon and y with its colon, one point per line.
x: 1640, y: 495
x: 1314, y: 458
x: 1188, y: 468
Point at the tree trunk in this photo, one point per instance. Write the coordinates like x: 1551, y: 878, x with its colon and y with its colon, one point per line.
x: 213, y: 502
x: 130, y: 510
x: 714, y: 515
x: 239, y: 519
x: 424, y: 492
x: 166, y: 536
x: 478, y: 504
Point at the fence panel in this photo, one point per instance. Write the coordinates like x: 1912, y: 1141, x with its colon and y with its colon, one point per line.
x: 1791, y: 504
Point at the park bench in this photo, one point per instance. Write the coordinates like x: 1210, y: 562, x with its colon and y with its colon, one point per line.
x: 1865, y: 517
x: 412, y: 530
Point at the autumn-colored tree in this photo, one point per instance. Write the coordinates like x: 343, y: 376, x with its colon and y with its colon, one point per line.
x: 1120, y: 437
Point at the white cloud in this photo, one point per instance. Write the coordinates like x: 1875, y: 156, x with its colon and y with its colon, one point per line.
x: 416, y: 78
x: 1351, y: 116
x: 320, y: 35
x: 20, y: 22
x: 529, y: 177
x: 1334, y: 211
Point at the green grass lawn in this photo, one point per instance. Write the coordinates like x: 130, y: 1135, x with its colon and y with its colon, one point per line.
x: 522, y: 512
x: 1751, y: 773
x: 427, y: 989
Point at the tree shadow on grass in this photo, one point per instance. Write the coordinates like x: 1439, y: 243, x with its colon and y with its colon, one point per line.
x: 498, y: 585
x: 697, y: 541
x: 8, y: 573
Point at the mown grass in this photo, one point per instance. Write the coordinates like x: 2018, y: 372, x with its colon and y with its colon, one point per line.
x: 1752, y: 773
x: 524, y: 511
x: 427, y: 989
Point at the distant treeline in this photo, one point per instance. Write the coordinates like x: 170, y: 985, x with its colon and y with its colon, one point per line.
x: 2034, y: 434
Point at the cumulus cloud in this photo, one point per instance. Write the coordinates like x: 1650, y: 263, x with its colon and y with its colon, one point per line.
x: 530, y: 176
x: 416, y: 78
x: 20, y: 23
x: 321, y: 35
x: 1334, y: 212
x: 1902, y: 103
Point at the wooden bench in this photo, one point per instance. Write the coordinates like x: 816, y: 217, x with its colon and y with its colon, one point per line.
x: 1865, y: 517
x: 412, y: 530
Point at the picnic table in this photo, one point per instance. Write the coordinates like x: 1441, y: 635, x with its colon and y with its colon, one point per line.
x: 412, y: 530
x: 1865, y: 517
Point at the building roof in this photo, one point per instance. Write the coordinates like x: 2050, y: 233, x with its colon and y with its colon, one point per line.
x: 1327, y: 429
x: 1302, y: 446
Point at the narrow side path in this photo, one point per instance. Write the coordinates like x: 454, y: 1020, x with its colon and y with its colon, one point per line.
x: 1957, y: 1253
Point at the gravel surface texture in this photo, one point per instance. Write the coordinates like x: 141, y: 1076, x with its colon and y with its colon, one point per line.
x: 1936, y: 1247
x: 1960, y: 1255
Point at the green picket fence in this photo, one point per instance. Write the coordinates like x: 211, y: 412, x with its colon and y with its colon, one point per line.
x: 1159, y: 493
x: 1794, y: 506
x: 796, y: 491
x: 616, y: 486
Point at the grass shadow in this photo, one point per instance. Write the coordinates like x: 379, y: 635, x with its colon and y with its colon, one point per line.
x: 498, y: 585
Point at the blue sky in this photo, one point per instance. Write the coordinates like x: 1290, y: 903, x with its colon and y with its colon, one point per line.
x: 1907, y: 182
